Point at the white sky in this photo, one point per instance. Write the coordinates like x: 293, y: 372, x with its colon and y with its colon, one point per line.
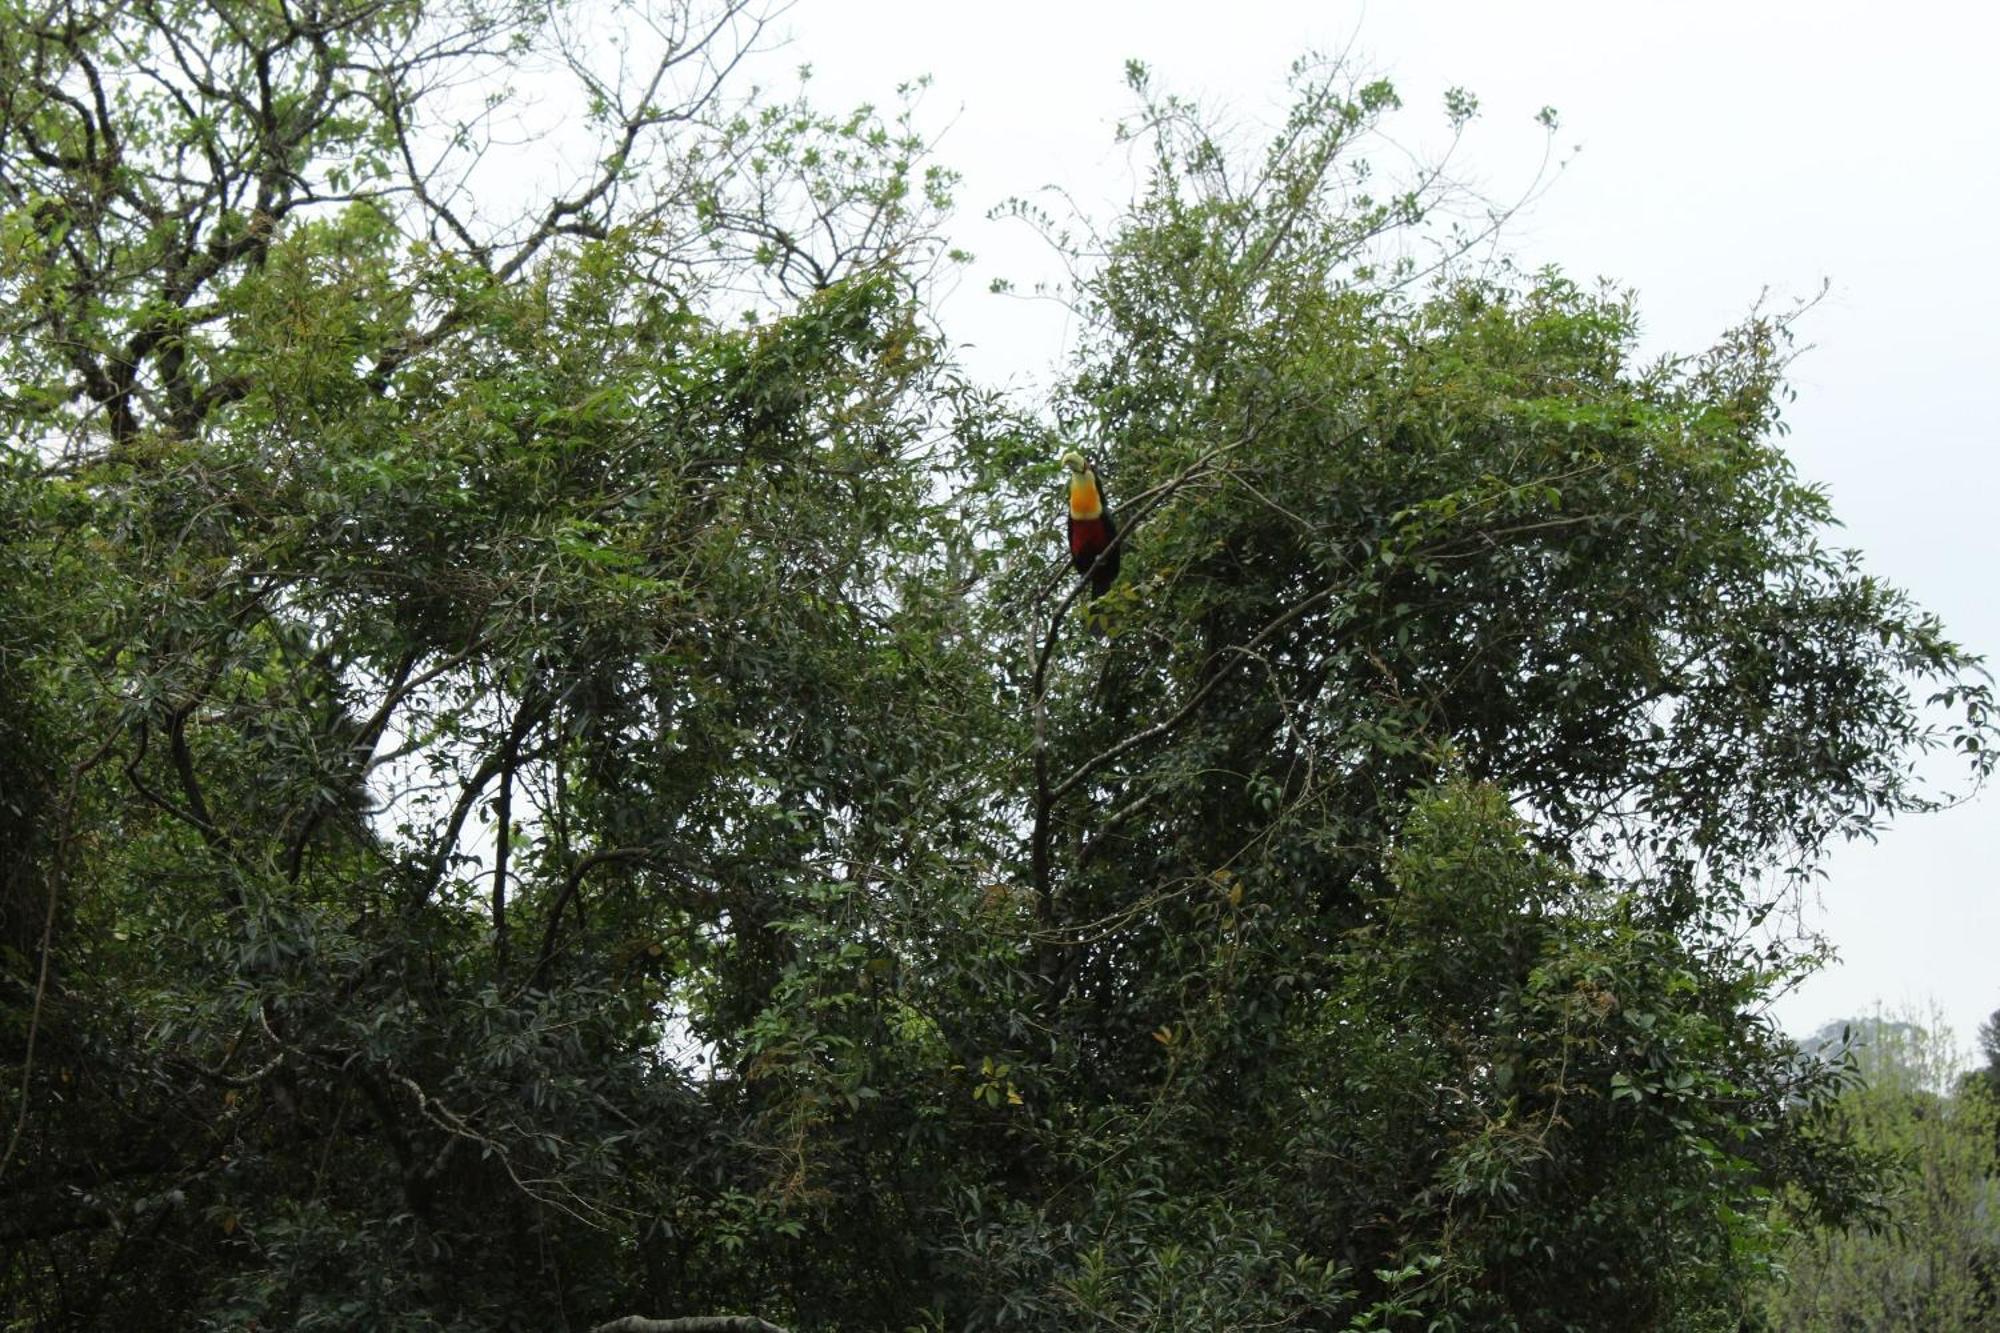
x: 1726, y: 149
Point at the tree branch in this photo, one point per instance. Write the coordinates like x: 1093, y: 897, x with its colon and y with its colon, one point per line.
x: 533, y: 710
x: 57, y: 870
x: 571, y: 884
x: 1145, y: 506
x: 714, y: 1323
x: 1169, y: 724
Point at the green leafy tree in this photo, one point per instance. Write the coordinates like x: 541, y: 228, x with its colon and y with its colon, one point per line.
x: 471, y: 669
x: 550, y: 770
x: 1384, y: 526
x: 1931, y: 1258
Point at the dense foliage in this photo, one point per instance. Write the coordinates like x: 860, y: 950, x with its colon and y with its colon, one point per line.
x: 548, y: 767
x: 1930, y: 1258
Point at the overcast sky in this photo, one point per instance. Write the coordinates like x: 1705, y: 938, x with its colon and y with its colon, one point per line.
x: 1726, y: 149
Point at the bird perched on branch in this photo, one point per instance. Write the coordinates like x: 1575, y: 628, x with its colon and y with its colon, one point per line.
x: 1091, y: 531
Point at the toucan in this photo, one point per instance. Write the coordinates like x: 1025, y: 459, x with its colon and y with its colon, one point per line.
x: 1092, y: 534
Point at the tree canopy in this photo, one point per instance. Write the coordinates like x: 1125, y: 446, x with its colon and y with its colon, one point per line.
x: 549, y: 769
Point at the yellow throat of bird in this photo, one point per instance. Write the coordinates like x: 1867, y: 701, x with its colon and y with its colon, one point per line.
x: 1084, y: 501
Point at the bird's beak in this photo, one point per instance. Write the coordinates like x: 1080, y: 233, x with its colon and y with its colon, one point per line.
x: 1074, y: 462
